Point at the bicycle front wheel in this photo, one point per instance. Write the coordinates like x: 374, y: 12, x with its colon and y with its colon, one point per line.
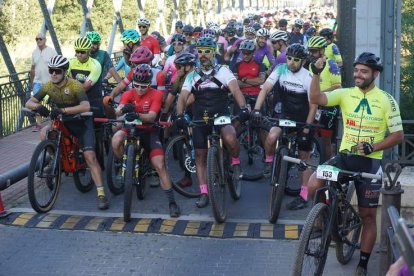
x: 216, y: 184
x: 129, y: 182
x: 180, y: 164
x: 113, y: 169
x: 278, y: 182
x: 317, y: 155
x: 313, y: 243
x: 141, y: 183
x: 44, y: 178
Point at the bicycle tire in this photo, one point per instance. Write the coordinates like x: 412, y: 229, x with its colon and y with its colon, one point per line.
x: 278, y: 183
x: 233, y: 183
x: 52, y: 184
x: 113, y: 168
x: 141, y: 183
x: 129, y: 182
x: 315, y: 227
x: 100, y: 149
x: 186, y: 165
x: 318, y: 150
x: 216, y: 185
x: 346, y: 245
x: 82, y: 177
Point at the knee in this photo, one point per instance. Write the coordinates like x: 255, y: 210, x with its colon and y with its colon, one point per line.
x: 90, y: 157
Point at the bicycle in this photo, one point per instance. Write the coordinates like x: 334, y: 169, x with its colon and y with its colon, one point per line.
x: 61, y: 151
x: 332, y: 217
x: 135, y: 165
x: 286, y: 145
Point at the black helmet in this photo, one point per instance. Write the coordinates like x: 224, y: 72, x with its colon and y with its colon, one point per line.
x: 370, y: 60
x: 188, y: 29
x: 198, y: 29
x: 297, y: 50
x: 179, y: 24
x: 282, y: 22
x: 326, y: 32
x: 185, y: 59
x: 178, y: 37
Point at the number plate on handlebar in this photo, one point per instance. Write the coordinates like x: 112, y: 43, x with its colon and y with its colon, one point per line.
x: 287, y: 123
x: 136, y: 122
x: 327, y: 172
x: 222, y: 120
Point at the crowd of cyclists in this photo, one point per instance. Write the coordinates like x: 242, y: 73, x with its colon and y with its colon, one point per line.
x: 286, y: 60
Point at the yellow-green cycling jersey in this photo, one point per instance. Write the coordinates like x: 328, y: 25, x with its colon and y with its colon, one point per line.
x: 332, y: 52
x: 89, y: 71
x: 330, y: 76
x: 366, y: 117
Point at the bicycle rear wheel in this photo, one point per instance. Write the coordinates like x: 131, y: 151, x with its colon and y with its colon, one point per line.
x: 141, y: 183
x: 251, y: 153
x: 129, y: 182
x: 113, y: 169
x: 216, y: 185
x: 180, y: 164
x: 43, y: 177
x: 82, y: 177
x: 278, y: 182
x: 313, y: 243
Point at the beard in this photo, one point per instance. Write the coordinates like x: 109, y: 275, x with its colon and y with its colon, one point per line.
x: 365, y: 84
x: 206, y: 63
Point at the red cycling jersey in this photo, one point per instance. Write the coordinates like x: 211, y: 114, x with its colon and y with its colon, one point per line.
x: 151, y: 43
x: 249, y: 70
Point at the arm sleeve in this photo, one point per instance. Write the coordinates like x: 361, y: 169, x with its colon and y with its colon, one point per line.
x: 40, y: 94
x: 81, y: 95
x: 95, y: 72
x: 334, y: 97
x: 392, y: 115
x: 128, y: 79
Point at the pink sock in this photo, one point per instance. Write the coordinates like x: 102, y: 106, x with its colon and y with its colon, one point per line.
x: 235, y: 161
x: 304, y: 192
x: 204, y: 189
x: 269, y: 158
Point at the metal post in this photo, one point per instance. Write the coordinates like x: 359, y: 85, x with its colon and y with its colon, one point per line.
x: 391, y: 196
x: 50, y: 5
x: 86, y: 23
x: 117, y: 21
x: 49, y: 26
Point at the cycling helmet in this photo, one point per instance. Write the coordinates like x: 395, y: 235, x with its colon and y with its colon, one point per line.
x: 206, y: 42
x: 246, y: 21
x: 310, y: 31
x: 299, y: 22
x: 82, y: 44
x: 188, y: 29
x: 239, y: 29
x: 279, y: 35
x: 210, y: 24
x: 282, y: 22
x: 297, y: 50
x: 217, y: 30
x: 306, y: 25
x: 178, y: 37
x: 198, y: 29
x: 143, y: 21
x: 317, y: 23
x: 58, y: 61
x: 326, y: 32
x: 142, y: 73
x: 185, y: 59
x: 317, y: 42
x: 179, y: 24
x: 130, y: 35
x: 94, y: 36
x: 268, y: 23
x: 250, y: 30
x: 247, y: 45
x: 230, y: 29
x: 141, y: 55
x: 208, y: 33
x: 256, y: 26
x: 370, y: 60
x: 263, y: 32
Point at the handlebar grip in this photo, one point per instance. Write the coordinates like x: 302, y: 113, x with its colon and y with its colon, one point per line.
x: 291, y: 159
x: 371, y: 176
x: 100, y: 120
x: 89, y: 113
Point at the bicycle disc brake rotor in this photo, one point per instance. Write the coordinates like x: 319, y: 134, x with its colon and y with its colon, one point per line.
x: 190, y: 164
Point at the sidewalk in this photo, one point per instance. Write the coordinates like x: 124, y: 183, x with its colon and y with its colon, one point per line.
x: 15, y: 150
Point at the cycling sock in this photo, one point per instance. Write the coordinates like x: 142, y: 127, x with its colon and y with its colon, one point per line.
x: 269, y: 158
x: 304, y: 192
x: 235, y: 161
x: 204, y: 189
x: 170, y: 195
x: 100, y: 190
x: 363, y: 259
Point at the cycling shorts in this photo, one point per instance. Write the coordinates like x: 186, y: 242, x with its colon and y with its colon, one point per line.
x: 368, y: 190
x: 83, y: 129
x: 150, y: 141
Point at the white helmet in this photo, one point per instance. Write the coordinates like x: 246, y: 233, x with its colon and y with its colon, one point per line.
x: 279, y: 35
x: 143, y: 21
x: 299, y: 22
x: 263, y: 32
x: 58, y: 61
x: 210, y: 24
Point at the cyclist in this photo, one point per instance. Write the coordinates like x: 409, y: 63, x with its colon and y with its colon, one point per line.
x: 296, y: 36
x: 263, y: 54
x: 131, y: 40
x: 330, y: 80
x: 279, y: 43
x: 367, y: 113
x: 179, y: 25
x: 144, y: 103
x: 177, y: 43
x: 268, y: 24
x: 292, y: 82
x: 87, y: 71
x: 210, y: 85
x: 332, y: 50
x: 189, y: 46
x: 282, y: 24
x: 69, y: 97
x: 148, y: 40
x: 102, y: 56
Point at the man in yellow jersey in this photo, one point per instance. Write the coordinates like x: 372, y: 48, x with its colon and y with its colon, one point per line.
x: 367, y: 113
x: 332, y: 50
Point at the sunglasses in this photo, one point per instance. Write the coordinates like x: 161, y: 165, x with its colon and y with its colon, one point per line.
x: 294, y: 59
x: 207, y: 51
x: 275, y: 42
x: 142, y: 27
x: 55, y: 71
x: 39, y: 39
x: 140, y: 86
x: 313, y: 51
x: 247, y: 53
x: 188, y: 34
x: 80, y: 52
x: 178, y: 44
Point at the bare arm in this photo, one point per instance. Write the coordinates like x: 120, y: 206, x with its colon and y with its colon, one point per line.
x: 114, y: 74
x: 237, y: 94
x: 252, y: 82
x: 148, y: 117
x: 32, y: 75
x: 391, y: 140
x: 181, y: 102
x: 316, y: 97
x: 267, y: 86
x: 118, y: 89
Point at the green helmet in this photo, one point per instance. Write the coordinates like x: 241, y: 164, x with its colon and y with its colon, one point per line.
x: 83, y: 44
x: 130, y: 35
x: 94, y: 36
x: 317, y: 42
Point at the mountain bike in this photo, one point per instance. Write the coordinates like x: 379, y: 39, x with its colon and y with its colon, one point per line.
x: 61, y: 151
x: 332, y: 217
x: 287, y: 145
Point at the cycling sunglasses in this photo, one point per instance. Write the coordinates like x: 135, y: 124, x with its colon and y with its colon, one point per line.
x: 55, y: 71
x: 205, y: 51
x: 80, y: 52
x: 294, y: 59
x: 140, y: 86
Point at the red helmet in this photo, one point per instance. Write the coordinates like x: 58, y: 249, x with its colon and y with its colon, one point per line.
x: 141, y: 55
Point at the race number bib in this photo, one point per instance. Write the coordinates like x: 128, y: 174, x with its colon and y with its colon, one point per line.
x: 327, y: 172
x: 287, y: 123
x: 135, y: 122
x: 318, y: 115
x: 222, y: 120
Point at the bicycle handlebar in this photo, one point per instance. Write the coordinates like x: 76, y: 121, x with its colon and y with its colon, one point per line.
x: 300, y: 124
x: 83, y: 114
x: 106, y: 120
x: 350, y: 173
